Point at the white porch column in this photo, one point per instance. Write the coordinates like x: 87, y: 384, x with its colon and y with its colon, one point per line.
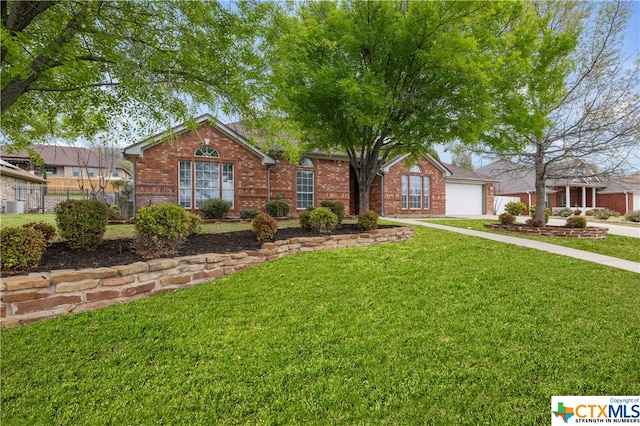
x: 593, y: 197
x: 568, y: 197
x: 584, y: 201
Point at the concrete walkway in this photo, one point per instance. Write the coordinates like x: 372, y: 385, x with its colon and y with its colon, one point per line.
x: 614, y: 262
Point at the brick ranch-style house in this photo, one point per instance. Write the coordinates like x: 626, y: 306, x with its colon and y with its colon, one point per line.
x: 571, y: 184
x: 215, y: 160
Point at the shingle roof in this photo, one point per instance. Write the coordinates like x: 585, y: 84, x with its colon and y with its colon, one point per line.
x: 58, y: 156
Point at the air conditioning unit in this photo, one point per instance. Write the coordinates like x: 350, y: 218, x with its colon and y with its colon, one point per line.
x: 16, y: 207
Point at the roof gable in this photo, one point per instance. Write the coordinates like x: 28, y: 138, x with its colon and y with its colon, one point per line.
x: 138, y: 148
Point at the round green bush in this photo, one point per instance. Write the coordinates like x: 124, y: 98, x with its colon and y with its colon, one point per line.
x: 336, y: 207
x: 515, y: 207
x: 162, y: 229
x: 576, y: 222
x: 48, y: 231
x: 264, y: 227
x: 82, y: 223
x: 565, y: 212
x: 507, y: 218
x: 368, y: 221
x: 214, y: 208
x: 633, y: 216
x: 21, y: 248
x: 323, y: 220
x: 604, y: 214
x: 305, y: 219
x: 248, y: 214
x: 547, y: 213
x: 277, y: 208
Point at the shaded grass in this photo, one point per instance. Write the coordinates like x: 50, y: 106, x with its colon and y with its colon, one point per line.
x: 128, y: 230
x: 614, y: 245
x: 438, y: 330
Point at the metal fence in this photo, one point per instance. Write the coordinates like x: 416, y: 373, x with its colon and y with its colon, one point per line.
x: 44, y: 199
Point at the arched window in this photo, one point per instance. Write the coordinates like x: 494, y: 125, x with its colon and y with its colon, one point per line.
x: 304, y: 184
x: 306, y: 162
x: 207, y: 151
x: 416, y: 190
x: 206, y: 179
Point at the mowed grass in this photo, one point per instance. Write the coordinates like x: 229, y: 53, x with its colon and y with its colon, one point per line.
x: 443, y: 329
x: 128, y: 230
x: 614, y: 245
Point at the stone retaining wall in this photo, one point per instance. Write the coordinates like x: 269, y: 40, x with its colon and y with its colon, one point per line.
x: 552, y: 231
x: 36, y: 296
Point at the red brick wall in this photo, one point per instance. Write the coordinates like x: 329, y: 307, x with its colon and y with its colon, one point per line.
x: 393, y: 191
x: 616, y: 202
x: 157, y: 173
x: 158, y: 168
x: 331, y: 182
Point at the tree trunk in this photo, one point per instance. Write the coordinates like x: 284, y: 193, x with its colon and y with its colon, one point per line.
x: 365, y: 172
x: 541, y: 178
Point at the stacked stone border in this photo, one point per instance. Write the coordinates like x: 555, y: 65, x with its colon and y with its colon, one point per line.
x: 37, y: 296
x: 552, y: 231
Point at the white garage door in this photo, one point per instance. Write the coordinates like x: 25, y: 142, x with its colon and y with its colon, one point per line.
x: 463, y: 199
x: 636, y: 202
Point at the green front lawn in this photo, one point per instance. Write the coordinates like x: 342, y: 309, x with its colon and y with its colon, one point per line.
x: 443, y: 329
x: 614, y: 245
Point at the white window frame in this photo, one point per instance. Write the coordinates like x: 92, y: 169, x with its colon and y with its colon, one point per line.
x: 305, y: 188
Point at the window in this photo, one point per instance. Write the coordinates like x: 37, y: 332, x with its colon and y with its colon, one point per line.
x: 91, y: 172
x: 199, y: 181
x: 207, y: 151
x: 50, y: 171
x: 304, y: 189
x: 114, y: 172
x: 21, y: 190
x: 415, y: 190
x: 76, y: 171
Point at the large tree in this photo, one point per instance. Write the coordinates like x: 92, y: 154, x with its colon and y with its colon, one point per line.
x: 72, y: 69
x: 585, y: 88
x: 379, y: 79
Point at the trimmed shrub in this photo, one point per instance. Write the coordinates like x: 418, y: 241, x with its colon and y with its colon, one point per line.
x: 214, y: 208
x: 162, y: 229
x: 48, y: 231
x: 507, y: 219
x: 82, y: 223
x: 547, y: 213
x: 368, y: 221
x: 336, y: 207
x: 535, y: 223
x: 589, y: 212
x: 515, y: 208
x: 114, y: 212
x: 264, y: 227
x: 277, y: 208
x: 323, y: 220
x: 633, y: 216
x: 248, y: 214
x: 604, y: 214
x: 565, y: 212
x: 21, y: 248
x: 305, y: 220
x: 576, y: 222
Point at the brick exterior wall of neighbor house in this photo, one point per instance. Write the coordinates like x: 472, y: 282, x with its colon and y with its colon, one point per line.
x: 490, y: 193
x: 616, y: 202
x: 393, y: 190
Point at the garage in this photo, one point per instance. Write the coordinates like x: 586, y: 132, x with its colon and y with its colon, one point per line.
x: 464, y: 199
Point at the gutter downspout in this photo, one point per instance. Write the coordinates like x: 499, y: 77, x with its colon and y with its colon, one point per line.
x: 626, y: 202
x: 269, y: 167
x: 382, y: 194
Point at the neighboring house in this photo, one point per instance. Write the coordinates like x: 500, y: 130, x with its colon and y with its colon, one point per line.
x: 19, y: 187
x: 571, y: 184
x: 217, y: 161
x: 66, y: 166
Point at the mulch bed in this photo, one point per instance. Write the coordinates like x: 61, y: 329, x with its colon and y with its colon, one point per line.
x: 121, y: 251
